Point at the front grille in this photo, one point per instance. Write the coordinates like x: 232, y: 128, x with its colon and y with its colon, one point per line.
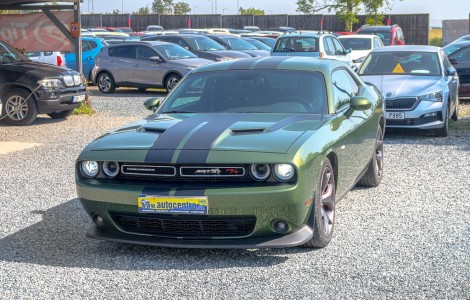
x: 148, y: 170
x: 185, y: 226
x: 401, y: 103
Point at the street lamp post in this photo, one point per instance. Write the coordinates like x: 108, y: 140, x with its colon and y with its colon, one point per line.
x: 238, y: 7
x: 194, y: 9
x: 122, y: 6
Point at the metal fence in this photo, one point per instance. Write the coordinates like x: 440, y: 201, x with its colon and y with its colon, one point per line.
x: 415, y: 27
x: 453, y: 29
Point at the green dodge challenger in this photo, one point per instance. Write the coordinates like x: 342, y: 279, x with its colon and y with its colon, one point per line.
x: 252, y: 153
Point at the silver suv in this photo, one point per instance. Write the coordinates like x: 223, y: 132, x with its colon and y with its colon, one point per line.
x: 143, y: 65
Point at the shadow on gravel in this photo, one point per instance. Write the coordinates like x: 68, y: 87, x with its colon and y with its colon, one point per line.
x: 424, y: 137
x: 41, y: 120
x: 59, y: 240
x: 128, y: 93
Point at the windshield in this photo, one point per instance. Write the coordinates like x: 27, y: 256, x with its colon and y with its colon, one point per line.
x: 173, y: 52
x: 258, y: 44
x: 357, y: 43
x: 204, y: 44
x: 297, y: 44
x: 239, y: 44
x: 385, y: 36
x: 249, y: 91
x: 125, y: 29
x: 401, y: 63
x: 269, y: 42
x: 8, y: 54
x: 451, y: 48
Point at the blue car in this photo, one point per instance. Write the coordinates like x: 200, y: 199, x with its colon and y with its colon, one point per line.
x: 91, y: 47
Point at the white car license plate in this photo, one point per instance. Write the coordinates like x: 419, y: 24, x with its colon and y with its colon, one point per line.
x: 76, y: 99
x: 395, y: 115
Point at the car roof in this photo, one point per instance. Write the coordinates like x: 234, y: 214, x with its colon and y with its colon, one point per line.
x: 406, y: 48
x: 273, y: 63
x: 307, y: 34
x: 377, y: 27
x: 355, y: 36
x: 461, y: 42
x: 151, y: 43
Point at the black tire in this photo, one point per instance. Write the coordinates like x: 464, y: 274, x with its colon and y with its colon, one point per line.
x: 172, y: 81
x: 19, y: 107
x: 323, y: 208
x: 61, y: 114
x: 374, y: 173
x: 106, y: 83
x: 444, y: 131
x: 455, y: 115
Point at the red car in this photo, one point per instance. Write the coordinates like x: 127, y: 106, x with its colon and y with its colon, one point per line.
x: 391, y: 35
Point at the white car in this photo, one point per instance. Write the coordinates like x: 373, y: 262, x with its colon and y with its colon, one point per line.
x: 360, y: 45
x: 48, y: 57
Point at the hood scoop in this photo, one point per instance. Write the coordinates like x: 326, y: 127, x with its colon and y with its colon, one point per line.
x: 153, y: 130
x: 247, y: 131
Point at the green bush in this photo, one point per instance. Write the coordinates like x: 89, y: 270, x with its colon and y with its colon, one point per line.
x: 437, y: 41
x: 84, y: 109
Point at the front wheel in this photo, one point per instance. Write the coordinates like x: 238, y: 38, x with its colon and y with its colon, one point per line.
x: 19, y: 108
x: 172, y: 81
x: 323, y: 208
x: 106, y: 83
x: 455, y: 115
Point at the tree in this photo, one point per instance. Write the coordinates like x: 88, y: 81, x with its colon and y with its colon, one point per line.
x: 163, y: 7
x: 251, y: 11
x: 310, y: 6
x: 142, y: 11
x: 181, y: 8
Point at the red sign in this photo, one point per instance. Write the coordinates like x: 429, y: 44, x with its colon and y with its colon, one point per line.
x: 35, y: 32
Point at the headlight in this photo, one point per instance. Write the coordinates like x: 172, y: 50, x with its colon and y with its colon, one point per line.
x: 260, y: 172
x: 110, y: 168
x: 435, y: 97
x: 68, y: 79
x: 50, y: 83
x: 359, y: 60
x: 284, y: 172
x: 90, y: 168
x: 77, y: 79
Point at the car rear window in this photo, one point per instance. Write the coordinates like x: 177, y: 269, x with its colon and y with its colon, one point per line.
x: 384, y: 34
x: 297, y: 44
x: 357, y: 43
x: 249, y: 91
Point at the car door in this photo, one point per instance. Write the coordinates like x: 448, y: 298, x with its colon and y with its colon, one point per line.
x: 359, y: 130
x: 340, y: 53
x: 120, y: 63
x: 461, y: 62
x: 147, y: 72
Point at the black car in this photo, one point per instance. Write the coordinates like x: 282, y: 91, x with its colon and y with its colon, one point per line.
x: 270, y: 42
x: 459, y: 56
x: 231, y: 42
x: 200, y: 45
x: 29, y: 88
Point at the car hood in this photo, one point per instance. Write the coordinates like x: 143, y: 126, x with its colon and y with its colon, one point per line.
x: 308, y: 54
x: 257, y: 53
x: 393, y: 86
x: 274, y: 133
x: 191, y: 62
x: 228, y: 53
x: 37, y: 69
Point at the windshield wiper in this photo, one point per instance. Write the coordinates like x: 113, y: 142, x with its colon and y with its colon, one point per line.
x: 178, y: 112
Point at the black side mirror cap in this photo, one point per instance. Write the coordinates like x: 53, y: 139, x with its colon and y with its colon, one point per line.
x: 152, y: 104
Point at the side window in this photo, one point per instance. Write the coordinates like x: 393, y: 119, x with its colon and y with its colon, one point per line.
x: 183, y: 44
x: 92, y: 44
x: 191, y: 95
x: 329, y: 46
x: 445, y: 60
x: 144, y: 52
x: 344, y: 87
x: 377, y: 43
x: 461, y: 56
x: 121, y: 51
x: 339, y: 47
x: 85, y: 46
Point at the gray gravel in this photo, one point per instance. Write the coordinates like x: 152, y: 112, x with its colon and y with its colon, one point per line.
x: 408, y: 238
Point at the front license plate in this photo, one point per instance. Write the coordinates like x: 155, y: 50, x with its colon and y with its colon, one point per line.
x: 172, y: 205
x: 79, y: 98
x: 395, y: 115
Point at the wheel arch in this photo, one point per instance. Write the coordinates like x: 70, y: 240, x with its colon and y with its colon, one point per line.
x: 169, y: 73
x: 333, y: 158
x: 104, y: 71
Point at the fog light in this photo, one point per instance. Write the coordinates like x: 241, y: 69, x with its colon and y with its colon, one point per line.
x: 111, y: 168
x: 280, y: 226
x: 98, y: 220
x: 430, y: 114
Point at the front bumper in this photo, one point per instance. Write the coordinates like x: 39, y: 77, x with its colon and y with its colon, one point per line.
x: 416, y: 118
x: 289, y: 203
x: 50, y: 101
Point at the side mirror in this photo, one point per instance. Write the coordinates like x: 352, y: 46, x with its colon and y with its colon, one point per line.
x: 451, y: 71
x: 360, y: 103
x: 347, y: 51
x: 453, y: 61
x: 156, y: 58
x: 152, y: 104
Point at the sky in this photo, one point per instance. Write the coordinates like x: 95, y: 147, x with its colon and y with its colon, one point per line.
x: 438, y: 9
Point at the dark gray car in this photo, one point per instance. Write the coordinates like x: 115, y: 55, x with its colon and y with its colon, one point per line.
x: 143, y: 65
x: 200, y: 45
x: 232, y: 42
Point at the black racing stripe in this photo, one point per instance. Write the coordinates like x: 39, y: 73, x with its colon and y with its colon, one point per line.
x: 159, y: 156
x: 202, y: 141
x: 158, y: 191
x: 190, y: 192
x: 291, y: 120
x: 271, y: 63
x: 242, y: 64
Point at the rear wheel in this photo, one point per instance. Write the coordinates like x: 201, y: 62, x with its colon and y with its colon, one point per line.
x: 61, y: 114
x: 19, y: 108
x: 172, y: 81
x: 374, y: 173
x: 323, y: 208
x: 106, y: 83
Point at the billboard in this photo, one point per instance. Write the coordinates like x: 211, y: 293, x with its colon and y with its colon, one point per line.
x: 35, y: 31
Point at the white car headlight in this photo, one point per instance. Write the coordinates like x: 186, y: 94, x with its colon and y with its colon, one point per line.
x: 111, y: 168
x: 77, y: 79
x: 90, y: 168
x: 68, y: 79
x: 434, y: 97
x: 284, y: 172
x: 50, y: 83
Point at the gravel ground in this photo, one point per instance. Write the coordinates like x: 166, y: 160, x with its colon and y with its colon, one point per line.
x: 408, y: 238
